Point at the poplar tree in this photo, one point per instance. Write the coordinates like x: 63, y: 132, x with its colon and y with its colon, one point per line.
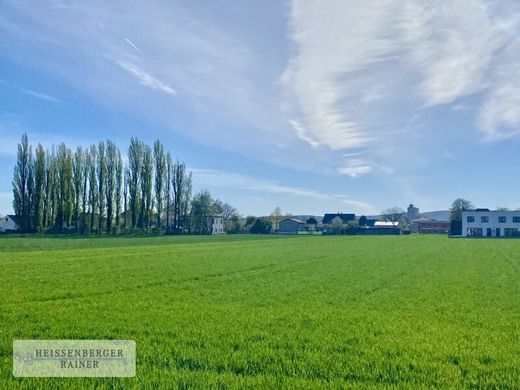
x: 169, y: 173
x: 64, y: 187
x: 125, y: 196
x: 111, y: 161
x: 160, y: 168
x: 101, y: 173
x: 20, y: 183
x: 86, y: 167
x: 135, y: 161
x: 146, y: 187
x: 78, y: 170
x: 181, y: 185
x: 92, y: 180
x: 39, y: 188
x: 118, y: 186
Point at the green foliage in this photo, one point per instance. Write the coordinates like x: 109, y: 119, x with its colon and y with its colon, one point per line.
x: 60, y: 190
x: 201, y: 210
x: 160, y: 173
x: 21, y: 184
x: 261, y: 226
x: 458, y: 206
x: 271, y: 312
x: 37, y: 200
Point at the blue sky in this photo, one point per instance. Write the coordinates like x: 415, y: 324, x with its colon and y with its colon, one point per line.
x: 312, y: 106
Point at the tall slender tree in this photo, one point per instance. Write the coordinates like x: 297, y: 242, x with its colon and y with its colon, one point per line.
x: 65, y: 187
x: 181, y: 185
x: 160, y: 168
x: 146, y: 187
x: 101, y: 174
x: 39, y: 188
x: 78, y: 170
x: 84, y: 199
x: 135, y: 161
x: 20, y: 183
x: 125, y: 197
x: 48, y: 189
x: 53, y: 191
x: 30, y: 193
x: 118, y: 187
x: 168, y: 191
x: 111, y: 163
x: 93, y: 188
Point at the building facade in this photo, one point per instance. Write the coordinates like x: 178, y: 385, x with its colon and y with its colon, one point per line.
x: 430, y: 227
x: 412, y: 213
x: 290, y: 226
x: 338, y: 218
x: 216, y: 224
x: 486, y: 223
x: 8, y: 223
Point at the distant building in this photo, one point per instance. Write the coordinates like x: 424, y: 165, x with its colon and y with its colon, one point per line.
x: 9, y: 223
x: 216, y: 224
x: 486, y: 223
x: 412, y: 213
x: 425, y: 225
x: 290, y: 226
x: 330, y: 219
x: 385, y: 224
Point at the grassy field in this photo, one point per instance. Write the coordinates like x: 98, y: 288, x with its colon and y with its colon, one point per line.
x: 293, y: 312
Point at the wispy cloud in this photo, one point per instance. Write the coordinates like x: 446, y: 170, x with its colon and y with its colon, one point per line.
x: 216, y: 178
x: 40, y: 95
x: 355, y: 171
x: 146, y: 78
x: 359, y: 66
x: 30, y: 92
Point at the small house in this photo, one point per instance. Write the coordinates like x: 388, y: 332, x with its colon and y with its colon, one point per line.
x: 9, y: 223
x: 290, y: 226
x: 216, y: 224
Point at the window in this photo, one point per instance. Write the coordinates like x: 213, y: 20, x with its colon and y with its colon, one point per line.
x: 484, y: 219
x: 516, y: 219
x: 471, y: 219
x: 514, y: 232
x: 475, y: 232
x: 502, y: 219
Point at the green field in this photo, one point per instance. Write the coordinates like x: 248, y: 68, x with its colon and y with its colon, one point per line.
x: 269, y: 312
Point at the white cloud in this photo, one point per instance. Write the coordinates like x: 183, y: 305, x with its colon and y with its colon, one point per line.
x: 500, y: 115
x: 30, y: 92
x: 39, y: 95
x: 355, y: 171
x: 360, y: 70
x: 216, y: 178
x: 146, y: 78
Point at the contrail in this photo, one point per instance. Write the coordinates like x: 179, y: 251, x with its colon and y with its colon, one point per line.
x: 132, y: 44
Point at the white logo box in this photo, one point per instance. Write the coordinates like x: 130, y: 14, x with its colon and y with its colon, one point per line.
x: 74, y: 358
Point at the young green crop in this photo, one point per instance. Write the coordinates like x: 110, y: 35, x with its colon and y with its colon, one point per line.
x: 270, y: 312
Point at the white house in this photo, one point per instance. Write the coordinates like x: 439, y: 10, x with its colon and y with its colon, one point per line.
x: 386, y: 224
x: 8, y: 223
x: 216, y: 224
x: 486, y: 223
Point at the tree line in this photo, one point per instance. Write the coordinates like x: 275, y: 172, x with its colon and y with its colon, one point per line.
x: 96, y: 190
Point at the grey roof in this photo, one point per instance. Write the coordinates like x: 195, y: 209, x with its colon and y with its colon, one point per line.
x: 327, y: 218
x: 13, y: 217
x: 292, y: 219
